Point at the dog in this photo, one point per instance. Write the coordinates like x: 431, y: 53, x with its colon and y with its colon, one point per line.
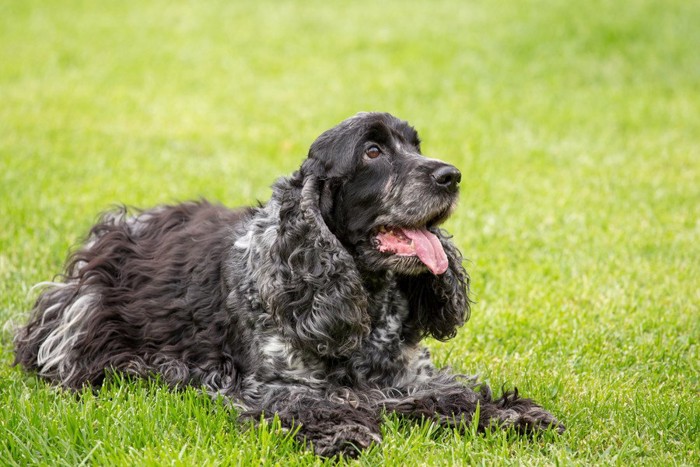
x: 311, y: 307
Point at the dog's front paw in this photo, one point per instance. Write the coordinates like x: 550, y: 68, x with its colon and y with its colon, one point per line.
x: 532, y: 420
x: 348, y: 440
x: 525, y: 415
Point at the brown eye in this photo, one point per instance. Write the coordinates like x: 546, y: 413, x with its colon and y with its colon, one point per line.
x: 373, y: 152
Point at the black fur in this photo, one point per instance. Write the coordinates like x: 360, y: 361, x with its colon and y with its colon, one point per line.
x: 288, y: 308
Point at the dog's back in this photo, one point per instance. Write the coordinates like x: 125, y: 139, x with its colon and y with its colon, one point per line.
x: 133, y: 274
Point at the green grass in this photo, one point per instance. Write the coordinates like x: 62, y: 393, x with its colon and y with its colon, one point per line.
x: 576, y: 126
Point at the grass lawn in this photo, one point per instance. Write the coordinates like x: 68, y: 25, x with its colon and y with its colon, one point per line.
x: 576, y: 126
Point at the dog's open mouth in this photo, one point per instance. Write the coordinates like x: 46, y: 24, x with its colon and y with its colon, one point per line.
x: 418, y: 242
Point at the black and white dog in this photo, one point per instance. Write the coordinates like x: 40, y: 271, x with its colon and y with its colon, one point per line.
x: 311, y: 307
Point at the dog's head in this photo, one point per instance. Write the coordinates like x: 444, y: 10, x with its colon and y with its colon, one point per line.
x: 365, y: 206
x: 381, y: 197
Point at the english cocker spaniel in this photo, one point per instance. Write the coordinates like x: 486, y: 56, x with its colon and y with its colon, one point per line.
x: 311, y: 307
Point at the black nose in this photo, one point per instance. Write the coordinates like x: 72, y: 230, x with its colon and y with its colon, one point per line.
x: 447, y: 176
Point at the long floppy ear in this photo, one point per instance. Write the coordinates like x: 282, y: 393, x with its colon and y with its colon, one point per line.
x: 314, y: 290
x: 438, y: 305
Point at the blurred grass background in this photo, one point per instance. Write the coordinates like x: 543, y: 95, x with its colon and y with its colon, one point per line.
x: 577, y: 129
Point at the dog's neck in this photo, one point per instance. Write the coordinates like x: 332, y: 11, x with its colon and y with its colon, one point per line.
x: 376, y: 282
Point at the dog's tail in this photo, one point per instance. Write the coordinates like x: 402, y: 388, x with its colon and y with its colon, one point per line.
x: 44, y: 345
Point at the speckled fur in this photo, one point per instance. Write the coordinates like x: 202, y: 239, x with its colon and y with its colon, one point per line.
x: 286, y: 308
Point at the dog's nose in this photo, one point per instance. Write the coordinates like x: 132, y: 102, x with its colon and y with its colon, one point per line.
x: 447, y: 176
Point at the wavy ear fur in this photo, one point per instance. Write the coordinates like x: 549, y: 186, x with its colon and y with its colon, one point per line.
x: 315, y: 292
x: 438, y: 305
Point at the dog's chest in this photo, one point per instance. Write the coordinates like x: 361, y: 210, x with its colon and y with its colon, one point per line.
x: 379, y: 360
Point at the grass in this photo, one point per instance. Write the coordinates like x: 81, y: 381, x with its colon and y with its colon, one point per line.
x: 576, y: 126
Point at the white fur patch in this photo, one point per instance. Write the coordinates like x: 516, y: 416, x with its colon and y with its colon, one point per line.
x: 54, y: 351
x: 243, y: 243
x: 274, y: 347
x: 137, y: 224
x: 278, y: 351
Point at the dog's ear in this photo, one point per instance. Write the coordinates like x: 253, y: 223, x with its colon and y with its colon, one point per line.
x: 313, y: 289
x: 438, y: 305
x: 332, y: 154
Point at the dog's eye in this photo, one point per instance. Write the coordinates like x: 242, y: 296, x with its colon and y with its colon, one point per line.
x: 373, y: 152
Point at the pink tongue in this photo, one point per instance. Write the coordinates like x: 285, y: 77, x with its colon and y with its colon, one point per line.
x: 428, y: 249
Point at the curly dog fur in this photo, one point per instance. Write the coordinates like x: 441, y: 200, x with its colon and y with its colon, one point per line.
x: 311, y: 307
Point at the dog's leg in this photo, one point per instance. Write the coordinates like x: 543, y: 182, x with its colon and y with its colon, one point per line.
x: 335, y: 423
x: 524, y: 415
x: 454, y: 404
